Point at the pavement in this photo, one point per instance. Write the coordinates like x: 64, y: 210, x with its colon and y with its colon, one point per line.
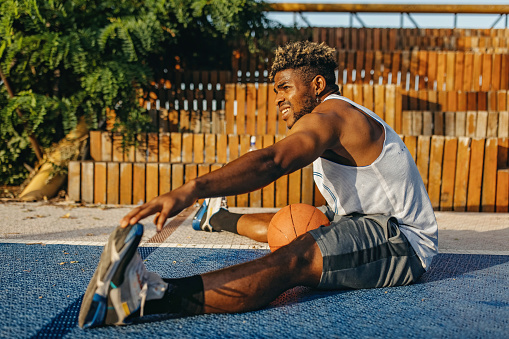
x: 80, y: 224
x: 49, y: 252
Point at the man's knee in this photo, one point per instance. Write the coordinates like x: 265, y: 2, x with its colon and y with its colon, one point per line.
x: 304, y: 259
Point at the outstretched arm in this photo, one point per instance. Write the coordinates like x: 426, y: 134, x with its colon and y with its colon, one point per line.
x: 252, y: 171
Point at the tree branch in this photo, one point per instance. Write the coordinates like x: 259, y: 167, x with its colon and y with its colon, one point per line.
x: 33, y: 141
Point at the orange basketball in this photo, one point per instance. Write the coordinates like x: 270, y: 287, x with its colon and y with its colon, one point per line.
x: 291, y: 221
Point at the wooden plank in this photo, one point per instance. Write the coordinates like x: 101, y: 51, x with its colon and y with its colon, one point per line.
x: 432, y: 70
x: 117, y: 152
x: 230, y: 108
x: 164, y: 147
x: 139, y: 183
x: 141, y: 148
x: 261, y: 107
x: 414, y: 68
x: 126, y: 183
x: 164, y: 178
x: 367, y: 93
x: 486, y: 72
x: 461, y: 178
x: 438, y: 123
x: 390, y: 107
x: 73, y: 181
x: 95, y: 145
x: 407, y: 123
x: 489, y: 179
x: 113, y: 188
x: 471, y: 124
x: 379, y: 91
x: 241, y: 109
x: 243, y: 199
x: 450, y: 70
x: 307, y: 185
x: 233, y: 147
x: 423, y: 69
x: 268, y: 198
x: 423, y: 148
x: 492, y: 130
x: 496, y: 72
x: 255, y: 197
x: 106, y: 146
x: 441, y: 63
x: 504, y: 76
x: 503, y: 124
x: 417, y: 122
x: 152, y: 181
x: 176, y: 147
x: 481, y: 124
x: 411, y: 144
x: 459, y: 71
x: 427, y: 123
x: 210, y: 148
x: 187, y: 147
x: 450, y: 123
x: 87, y: 182
x: 476, y: 72
x: 272, y: 113
x: 460, y: 123
x: 435, y: 170
x: 222, y: 148
x: 475, y: 175
x: 281, y: 185
x: 468, y: 71
x: 190, y: 172
x: 251, y: 109
x: 152, y: 147
x: 198, y: 153
x: 294, y: 187
x: 448, y: 174
x: 502, y: 198
x: 177, y: 175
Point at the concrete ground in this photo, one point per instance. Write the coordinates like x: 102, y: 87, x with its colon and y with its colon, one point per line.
x: 68, y: 223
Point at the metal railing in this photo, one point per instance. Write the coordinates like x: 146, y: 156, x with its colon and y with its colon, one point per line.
x: 404, y: 10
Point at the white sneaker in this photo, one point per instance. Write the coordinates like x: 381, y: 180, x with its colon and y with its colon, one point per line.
x: 209, y: 207
x: 121, y: 284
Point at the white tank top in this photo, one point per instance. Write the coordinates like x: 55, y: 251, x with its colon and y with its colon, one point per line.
x: 390, y: 186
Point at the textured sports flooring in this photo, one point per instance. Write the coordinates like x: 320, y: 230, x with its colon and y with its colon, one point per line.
x: 463, y: 295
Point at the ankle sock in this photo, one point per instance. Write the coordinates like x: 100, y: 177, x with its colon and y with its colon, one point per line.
x: 224, y: 220
x: 184, y: 296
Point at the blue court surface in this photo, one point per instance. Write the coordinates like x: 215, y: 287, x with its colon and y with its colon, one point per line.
x: 462, y: 296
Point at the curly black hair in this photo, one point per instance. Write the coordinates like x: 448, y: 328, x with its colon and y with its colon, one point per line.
x: 308, y: 58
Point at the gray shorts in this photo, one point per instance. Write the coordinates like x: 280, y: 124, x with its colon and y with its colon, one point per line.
x: 365, y: 251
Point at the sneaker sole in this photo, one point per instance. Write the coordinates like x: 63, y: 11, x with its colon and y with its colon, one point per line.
x: 198, y: 217
x: 117, y: 253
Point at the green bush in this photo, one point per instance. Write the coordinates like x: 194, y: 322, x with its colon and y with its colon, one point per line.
x: 64, y: 59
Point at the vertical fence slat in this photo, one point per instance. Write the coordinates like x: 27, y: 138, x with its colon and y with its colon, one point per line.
x: 489, y: 181
x: 112, y: 185
x: 475, y: 175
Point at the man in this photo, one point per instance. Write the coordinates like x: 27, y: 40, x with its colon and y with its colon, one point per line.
x: 383, y: 230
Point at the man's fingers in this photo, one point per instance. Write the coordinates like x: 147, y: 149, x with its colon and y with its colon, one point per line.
x: 161, y: 219
x: 126, y: 220
x: 137, y: 214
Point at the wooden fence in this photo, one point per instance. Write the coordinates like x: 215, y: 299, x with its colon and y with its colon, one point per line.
x: 460, y: 173
x: 480, y: 124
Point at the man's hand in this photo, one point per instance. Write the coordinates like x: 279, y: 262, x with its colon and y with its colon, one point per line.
x: 163, y: 206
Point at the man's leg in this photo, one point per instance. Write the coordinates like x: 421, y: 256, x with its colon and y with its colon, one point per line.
x: 247, y: 286
x: 254, y: 225
x: 215, y: 216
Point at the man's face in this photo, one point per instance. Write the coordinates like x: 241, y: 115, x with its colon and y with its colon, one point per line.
x: 294, y: 98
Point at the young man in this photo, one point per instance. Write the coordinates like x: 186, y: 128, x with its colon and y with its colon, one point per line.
x: 383, y: 230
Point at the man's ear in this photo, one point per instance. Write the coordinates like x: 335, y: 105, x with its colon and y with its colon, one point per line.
x: 319, y: 84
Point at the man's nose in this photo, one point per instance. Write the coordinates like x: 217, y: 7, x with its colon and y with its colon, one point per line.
x: 279, y: 99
